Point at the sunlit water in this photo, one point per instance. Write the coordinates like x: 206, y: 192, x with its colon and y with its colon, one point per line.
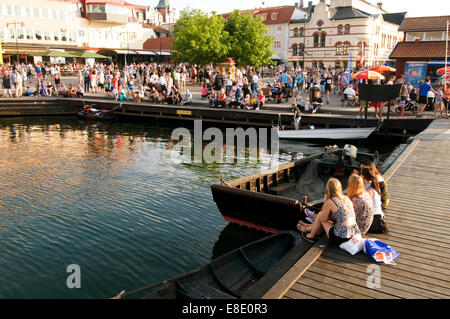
x: 108, y: 198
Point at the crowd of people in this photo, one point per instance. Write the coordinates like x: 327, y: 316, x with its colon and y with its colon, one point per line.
x: 236, y: 88
x: 357, y: 213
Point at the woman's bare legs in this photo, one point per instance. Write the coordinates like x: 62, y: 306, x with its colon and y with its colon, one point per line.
x: 320, y: 224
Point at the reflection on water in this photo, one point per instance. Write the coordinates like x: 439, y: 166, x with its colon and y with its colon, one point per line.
x: 109, y: 198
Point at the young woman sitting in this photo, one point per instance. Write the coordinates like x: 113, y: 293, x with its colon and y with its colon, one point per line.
x: 337, y: 217
x: 246, y: 104
x: 213, y: 98
x: 222, y: 100
x: 261, y: 100
x: 153, y: 95
x: 204, y: 92
x: 362, y: 202
x: 383, y: 185
x: 373, y: 188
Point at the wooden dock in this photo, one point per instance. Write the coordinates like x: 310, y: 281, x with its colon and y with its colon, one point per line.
x: 268, y: 117
x: 418, y: 219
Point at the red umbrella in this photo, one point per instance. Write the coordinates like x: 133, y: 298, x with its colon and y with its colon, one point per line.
x: 442, y: 70
x: 383, y: 69
x: 367, y: 75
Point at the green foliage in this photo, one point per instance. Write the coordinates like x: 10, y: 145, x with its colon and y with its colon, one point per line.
x: 248, y: 42
x: 209, y: 39
x: 200, y: 38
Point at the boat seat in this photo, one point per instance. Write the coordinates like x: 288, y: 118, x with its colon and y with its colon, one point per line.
x: 200, y: 290
x: 277, y: 190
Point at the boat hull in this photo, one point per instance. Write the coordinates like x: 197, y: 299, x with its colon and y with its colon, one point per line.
x: 232, y: 275
x: 324, y: 134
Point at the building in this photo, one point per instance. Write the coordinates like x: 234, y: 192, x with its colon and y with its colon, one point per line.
x: 423, y: 50
x: 29, y: 27
x: 277, y: 20
x: 113, y: 28
x: 331, y: 32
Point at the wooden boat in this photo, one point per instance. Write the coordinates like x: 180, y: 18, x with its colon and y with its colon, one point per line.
x: 229, y: 276
x: 276, y: 199
x: 328, y: 134
x: 92, y: 114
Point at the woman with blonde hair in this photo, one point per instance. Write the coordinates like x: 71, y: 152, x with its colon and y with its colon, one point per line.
x: 337, y: 217
x: 362, y: 202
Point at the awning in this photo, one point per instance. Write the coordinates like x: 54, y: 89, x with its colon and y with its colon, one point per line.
x: 55, y: 53
x: 146, y: 52
x: 438, y: 62
x: 90, y: 55
x: 163, y: 53
x: 125, y: 52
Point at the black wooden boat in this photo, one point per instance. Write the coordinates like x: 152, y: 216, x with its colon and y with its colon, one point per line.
x: 276, y: 199
x: 93, y: 114
x: 230, y: 276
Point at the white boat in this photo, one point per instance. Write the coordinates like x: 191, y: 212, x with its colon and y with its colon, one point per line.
x: 332, y: 134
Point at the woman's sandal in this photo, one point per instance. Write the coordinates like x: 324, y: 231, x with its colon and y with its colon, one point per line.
x: 310, y: 240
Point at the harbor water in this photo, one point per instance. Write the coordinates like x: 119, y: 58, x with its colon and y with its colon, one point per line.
x: 110, y: 199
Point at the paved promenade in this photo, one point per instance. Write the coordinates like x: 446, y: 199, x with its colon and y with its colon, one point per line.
x: 418, y: 219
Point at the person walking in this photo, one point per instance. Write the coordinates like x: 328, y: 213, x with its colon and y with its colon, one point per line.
x: 424, y: 88
x: 19, y: 83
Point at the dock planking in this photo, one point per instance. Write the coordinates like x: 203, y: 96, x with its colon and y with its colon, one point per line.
x: 418, y: 218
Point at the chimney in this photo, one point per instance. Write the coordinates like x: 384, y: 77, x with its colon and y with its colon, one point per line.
x: 309, y: 6
x: 301, y: 4
x: 380, y: 5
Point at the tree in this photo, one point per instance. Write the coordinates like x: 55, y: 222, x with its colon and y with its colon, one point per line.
x: 249, y: 44
x: 200, y: 38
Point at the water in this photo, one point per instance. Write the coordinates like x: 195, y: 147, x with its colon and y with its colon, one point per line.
x: 109, y: 199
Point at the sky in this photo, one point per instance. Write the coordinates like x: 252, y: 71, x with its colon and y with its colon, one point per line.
x: 415, y: 8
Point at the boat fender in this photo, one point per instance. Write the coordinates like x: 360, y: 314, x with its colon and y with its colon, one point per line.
x: 350, y: 150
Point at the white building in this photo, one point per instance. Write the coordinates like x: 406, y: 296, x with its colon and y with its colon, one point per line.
x: 333, y: 31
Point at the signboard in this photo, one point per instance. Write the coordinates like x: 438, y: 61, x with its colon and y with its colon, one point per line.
x: 183, y: 112
x: 415, y: 72
x: 378, y: 93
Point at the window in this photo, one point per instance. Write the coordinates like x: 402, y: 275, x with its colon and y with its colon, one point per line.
x: 347, y: 29
x: 339, y: 49
x: 101, y: 9
x: 12, y: 35
x: 64, y: 36
x: 274, y: 16
x: 323, y: 39
x: 18, y: 10
x: 296, y: 32
x: 320, y: 24
x: 316, y: 40
x: 38, y: 35
x: 56, y: 36
x: 36, y: 13
x: 9, y: 10
x: 294, y: 50
x: 340, y: 29
x: 29, y: 34
x: 301, y: 49
x: 279, y: 28
x: 45, y: 13
x: 20, y: 35
x: 2, y: 34
x: 62, y: 15
x: 28, y: 11
x: 337, y: 65
x: 345, y: 48
x: 302, y: 32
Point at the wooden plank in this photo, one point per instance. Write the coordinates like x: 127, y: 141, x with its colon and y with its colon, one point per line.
x: 390, y: 275
x: 289, y: 279
x: 336, y: 285
x: 294, y: 294
x: 360, y: 281
x: 386, y: 280
x: 395, y: 270
x: 310, y: 286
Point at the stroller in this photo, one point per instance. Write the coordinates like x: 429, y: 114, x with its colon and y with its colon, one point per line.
x: 410, y: 105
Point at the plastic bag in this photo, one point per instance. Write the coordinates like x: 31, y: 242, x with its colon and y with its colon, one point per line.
x: 380, y: 252
x: 354, y: 245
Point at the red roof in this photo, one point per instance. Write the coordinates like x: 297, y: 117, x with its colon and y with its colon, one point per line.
x: 284, y: 14
x: 157, y: 44
x: 154, y: 27
x: 424, y: 24
x: 419, y: 50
